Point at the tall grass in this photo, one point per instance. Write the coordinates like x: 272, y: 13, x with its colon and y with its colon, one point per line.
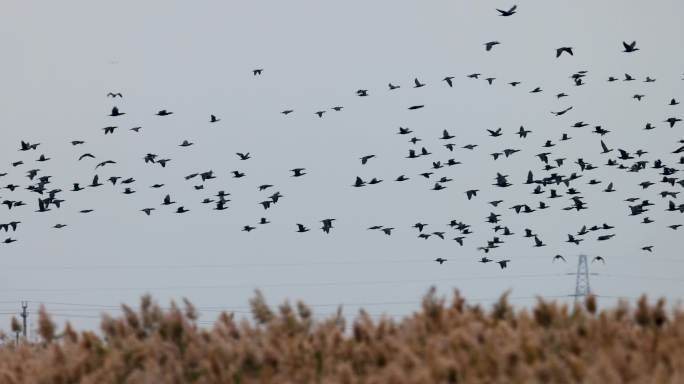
x: 441, y: 343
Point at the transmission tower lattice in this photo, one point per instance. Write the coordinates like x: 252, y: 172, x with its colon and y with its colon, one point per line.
x: 582, y: 283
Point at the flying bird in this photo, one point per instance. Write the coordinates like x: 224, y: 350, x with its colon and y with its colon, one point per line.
x: 559, y: 51
x: 509, y: 12
x: 631, y: 47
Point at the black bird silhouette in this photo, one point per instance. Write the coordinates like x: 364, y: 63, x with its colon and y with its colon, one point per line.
x: 296, y: 172
x: 440, y: 260
x: 417, y: 83
x: 559, y: 257
x: 559, y: 51
x: 449, y: 81
x: 147, y: 211
x: 257, y: 71
x: 393, y: 87
x: 115, y: 112
x: 604, y: 147
x: 672, y: 121
x: 213, y: 119
x: 164, y: 112
x: 495, y: 133
x: 471, y: 193
x: 631, y: 47
x: 109, y: 130
x: 414, y: 107
x: 446, y: 135
x: 503, y: 263
x: 489, y: 45
x: 598, y: 258
x: 365, y: 159
x: 167, y: 200
x: 102, y: 164
x: 522, y: 132
x: 509, y: 12
x: 243, y: 156
x: 95, y: 182
x: 561, y: 113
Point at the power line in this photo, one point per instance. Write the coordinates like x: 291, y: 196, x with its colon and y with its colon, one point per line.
x: 314, y: 284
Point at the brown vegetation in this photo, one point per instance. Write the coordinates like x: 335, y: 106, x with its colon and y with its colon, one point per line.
x: 441, y: 343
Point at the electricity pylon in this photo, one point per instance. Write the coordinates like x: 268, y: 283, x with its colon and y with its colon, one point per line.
x: 582, y: 288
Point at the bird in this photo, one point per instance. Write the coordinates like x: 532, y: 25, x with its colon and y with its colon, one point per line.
x: 559, y: 51
x: 364, y: 159
x: 672, y: 121
x: 297, y: 172
x: 503, y: 263
x: 598, y: 258
x: 559, y: 257
x: 185, y: 143
x: 509, y: 12
x: 490, y: 45
x: 257, y: 71
x: 417, y: 83
x: 115, y: 112
x: 631, y: 47
x: 147, y: 211
x: 522, y: 132
x: 604, y: 148
x: 167, y: 200
x: 243, y: 156
x: 102, y: 164
x: 414, y: 107
x: 213, y: 119
x: 440, y: 260
x: 471, y: 193
x: 164, y: 112
x: 648, y: 248
x: 562, y: 112
x: 393, y: 87
x: 449, y: 81
x: 495, y: 133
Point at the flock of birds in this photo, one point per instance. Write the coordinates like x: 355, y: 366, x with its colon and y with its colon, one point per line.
x: 558, y: 181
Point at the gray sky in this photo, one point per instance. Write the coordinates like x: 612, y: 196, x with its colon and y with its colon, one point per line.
x: 195, y: 59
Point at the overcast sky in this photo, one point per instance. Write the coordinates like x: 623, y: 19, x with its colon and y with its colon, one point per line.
x: 60, y: 59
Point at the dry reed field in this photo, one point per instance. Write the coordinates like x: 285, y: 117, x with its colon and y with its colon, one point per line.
x: 442, y: 342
